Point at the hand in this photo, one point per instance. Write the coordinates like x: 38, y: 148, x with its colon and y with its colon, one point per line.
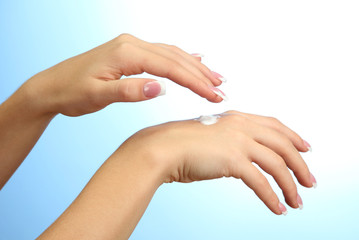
x: 91, y: 81
x: 184, y: 151
x: 189, y: 151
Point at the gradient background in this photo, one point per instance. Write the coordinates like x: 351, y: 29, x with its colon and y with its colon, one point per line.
x: 295, y: 60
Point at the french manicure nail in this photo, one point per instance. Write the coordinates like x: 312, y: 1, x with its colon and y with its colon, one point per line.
x: 314, y: 182
x: 200, y: 55
x: 219, y: 76
x: 219, y: 93
x: 283, y: 209
x: 300, y: 202
x: 154, y: 89
x: 307, y: 145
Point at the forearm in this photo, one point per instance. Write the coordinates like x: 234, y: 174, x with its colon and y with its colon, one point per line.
x: 112, y: 203
x: 21, y: 125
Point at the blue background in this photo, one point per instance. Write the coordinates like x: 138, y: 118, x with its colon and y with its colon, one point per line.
x: 297, y: 61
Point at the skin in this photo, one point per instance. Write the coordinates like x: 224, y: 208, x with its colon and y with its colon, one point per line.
x: 89, y: 82
x: 114, y: 200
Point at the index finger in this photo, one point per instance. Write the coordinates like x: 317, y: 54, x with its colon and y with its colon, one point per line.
x: 163, y: 67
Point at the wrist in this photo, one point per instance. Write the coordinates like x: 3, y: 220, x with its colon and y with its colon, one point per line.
x: 26, y: 106
x: 145, y: 159
x: 21, y: 124
x: 159, y: 147
x: 34, y: 96
x: 142, y: 163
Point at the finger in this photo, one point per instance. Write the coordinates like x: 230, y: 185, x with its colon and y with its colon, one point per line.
x: 297, y: 141
x: 139, y: 59
x: 213, y: 77
x: 177, y: 55
x: 161, y: 66
x: 197, y: 56
x: 283, y: 146
x: 173, y: 53
x: 274, y: 123
x: 274, y: 165
x: 132, y: 90
x: 255, y: 180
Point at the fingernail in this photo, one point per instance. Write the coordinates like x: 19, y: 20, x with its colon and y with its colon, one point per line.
x: 154, y: 89
x: 312, y: 178
x: 200, y: 55
x: 300, y: 202
x: 283, y: 209
x: 219, y: 93
x: 307, y: 145
x: 219, y: 76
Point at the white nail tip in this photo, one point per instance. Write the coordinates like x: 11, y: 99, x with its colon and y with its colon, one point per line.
x: 309, y: 149
x: 314, y: 185
x: 163, y: 88
x: 285, y: 213
x: 222, y: 79
x: 198, y: 55
x: 300, y: 206
x: 219, y: 93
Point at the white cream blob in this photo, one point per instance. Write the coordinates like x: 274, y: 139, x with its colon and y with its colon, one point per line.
x: 208, y: 119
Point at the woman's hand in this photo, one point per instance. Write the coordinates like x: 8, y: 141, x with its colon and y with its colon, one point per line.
x: 113, y: 202
x: 190, y: 151
x: 91, y: 81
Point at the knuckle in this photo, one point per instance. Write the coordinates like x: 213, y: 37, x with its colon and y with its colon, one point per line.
x: 268, y: 195
x: 285, y: 142
x: 235, y: 122
x: 274, y: 121
x: 240, y: 120
x: 173, y: 48
x: 276, y: 124
x: 263, y: 185
x: 271, y: 196
x: 278, y: 162
x: 122, y: 47
x: 124, y: 91
x: 124, y: 37
x: 287, y: 148
x: 231, y: 112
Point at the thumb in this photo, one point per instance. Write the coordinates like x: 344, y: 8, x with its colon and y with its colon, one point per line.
x: 134, y: 89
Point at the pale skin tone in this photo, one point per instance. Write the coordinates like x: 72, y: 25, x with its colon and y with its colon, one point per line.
x: 114, y: 200
x: 88, y: 83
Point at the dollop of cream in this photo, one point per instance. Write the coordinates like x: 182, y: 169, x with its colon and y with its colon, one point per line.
x: 208, y: 119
